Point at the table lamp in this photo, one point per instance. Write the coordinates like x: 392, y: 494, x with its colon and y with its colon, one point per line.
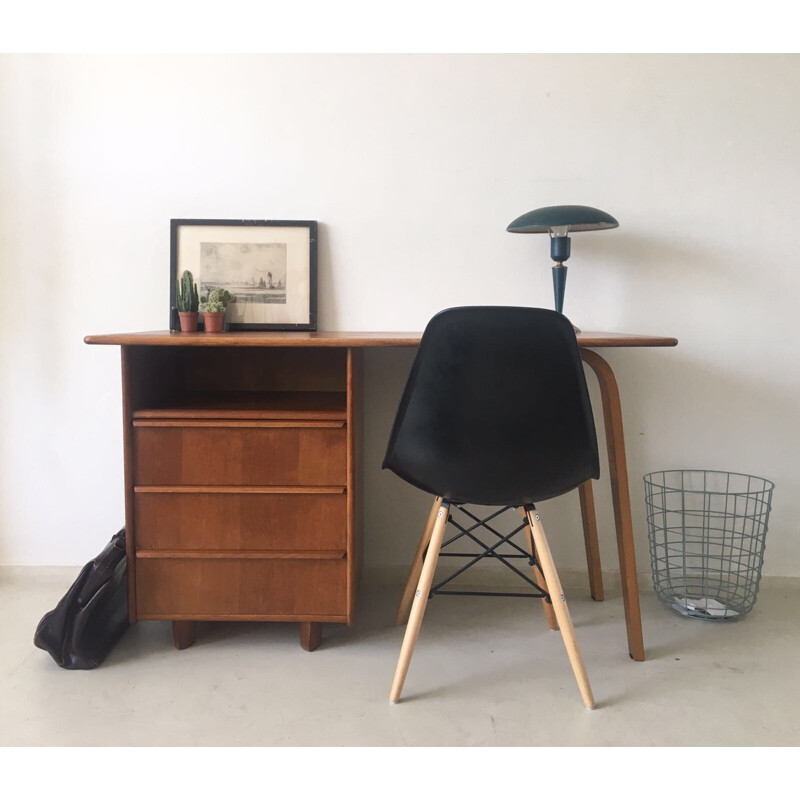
x: 559, y: 222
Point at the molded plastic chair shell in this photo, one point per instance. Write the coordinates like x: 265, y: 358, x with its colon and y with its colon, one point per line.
x: 496, y: 409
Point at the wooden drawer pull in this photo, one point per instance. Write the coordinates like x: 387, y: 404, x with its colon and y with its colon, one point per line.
x: 239, y: 489
x: 234, y: 423
x: 236, y: 555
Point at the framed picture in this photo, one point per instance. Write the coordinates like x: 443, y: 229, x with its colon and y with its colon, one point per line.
x: 270, y: 267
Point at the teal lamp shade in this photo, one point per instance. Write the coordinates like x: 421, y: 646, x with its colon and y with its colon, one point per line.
x: 559, y: 222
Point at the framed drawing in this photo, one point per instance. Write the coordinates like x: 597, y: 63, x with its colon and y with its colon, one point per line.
x: 269, y: 266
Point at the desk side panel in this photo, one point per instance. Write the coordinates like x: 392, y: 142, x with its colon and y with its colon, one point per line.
x: 355, y: 540
x: 142, y: 387
x: 127, y: 444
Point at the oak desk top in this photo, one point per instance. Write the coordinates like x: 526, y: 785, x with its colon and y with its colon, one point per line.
x: 337, y: 339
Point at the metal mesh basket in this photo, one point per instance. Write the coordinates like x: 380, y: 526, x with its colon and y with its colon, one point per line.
x: 707, y: 531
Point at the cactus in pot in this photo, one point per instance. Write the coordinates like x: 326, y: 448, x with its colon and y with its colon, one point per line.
x: 187, y: 300
x: 213, y: 307
x: 217, y: 296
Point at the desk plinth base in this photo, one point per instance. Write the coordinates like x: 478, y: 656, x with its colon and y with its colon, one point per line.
x: 184, y: 633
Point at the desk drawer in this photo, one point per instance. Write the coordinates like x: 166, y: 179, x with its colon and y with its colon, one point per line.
x: 231, y: 519
x: 211, y: 453
x: 228, y: 587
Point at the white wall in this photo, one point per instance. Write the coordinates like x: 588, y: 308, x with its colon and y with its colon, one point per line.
x: 413, y: 165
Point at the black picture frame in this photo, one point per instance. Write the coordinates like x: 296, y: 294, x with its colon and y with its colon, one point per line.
x: 308, y: 323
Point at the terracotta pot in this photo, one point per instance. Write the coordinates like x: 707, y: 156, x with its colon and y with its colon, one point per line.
x: 188, y: 321
x: 213, y: 322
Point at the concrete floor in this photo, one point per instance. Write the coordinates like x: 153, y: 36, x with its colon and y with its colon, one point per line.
x: 487, y: 671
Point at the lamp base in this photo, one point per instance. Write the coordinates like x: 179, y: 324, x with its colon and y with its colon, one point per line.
x: 559, y: 286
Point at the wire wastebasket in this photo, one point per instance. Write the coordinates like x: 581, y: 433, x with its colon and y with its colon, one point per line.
x: 707, y: 531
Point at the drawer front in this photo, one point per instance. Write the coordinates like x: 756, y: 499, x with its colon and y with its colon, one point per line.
x: 230, y: 520
x: 209, y: 588
x: 239, y: 456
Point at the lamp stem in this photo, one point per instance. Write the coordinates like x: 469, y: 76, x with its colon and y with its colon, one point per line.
x: 559, y: 286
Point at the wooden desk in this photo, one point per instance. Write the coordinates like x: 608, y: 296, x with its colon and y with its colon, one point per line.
x: 239, y: 475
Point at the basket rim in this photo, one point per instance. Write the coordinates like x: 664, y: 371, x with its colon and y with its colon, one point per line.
x: 648, y: 478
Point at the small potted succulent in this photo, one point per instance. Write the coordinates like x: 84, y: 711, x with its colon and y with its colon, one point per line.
x: 213, y: 307
x: 187, y: 300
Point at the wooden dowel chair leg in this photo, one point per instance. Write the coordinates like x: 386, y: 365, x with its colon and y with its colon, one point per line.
x: 420, y: 600
x: 416, y: 565
x: 589, y: 519
x: 560, y: 606
x: 538, y: 578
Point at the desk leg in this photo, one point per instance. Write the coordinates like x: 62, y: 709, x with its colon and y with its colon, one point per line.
x: 310, y: 635
x: 184, y: 632
x: 590, y: 540
x: 620, y: 493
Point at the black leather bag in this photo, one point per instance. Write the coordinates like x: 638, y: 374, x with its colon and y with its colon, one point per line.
x: 92, y: 616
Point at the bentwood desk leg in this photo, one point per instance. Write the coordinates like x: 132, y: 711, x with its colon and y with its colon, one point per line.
x: 620, y: 493
x: 590, y: 540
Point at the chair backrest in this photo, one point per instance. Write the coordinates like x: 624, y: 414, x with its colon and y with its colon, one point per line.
x: 495, y: 410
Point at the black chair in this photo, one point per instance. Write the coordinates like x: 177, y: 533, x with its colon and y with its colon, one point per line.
x: 495, y: 412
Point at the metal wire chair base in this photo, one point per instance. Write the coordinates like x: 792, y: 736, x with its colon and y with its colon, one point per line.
x: 487, y: 551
